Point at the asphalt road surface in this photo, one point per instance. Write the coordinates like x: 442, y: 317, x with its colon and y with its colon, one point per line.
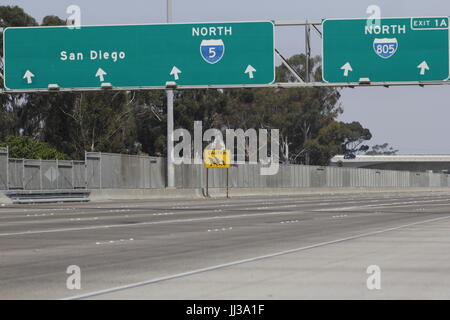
x: 284, y: 247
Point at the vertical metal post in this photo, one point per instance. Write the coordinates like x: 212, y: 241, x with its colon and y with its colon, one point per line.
x: 170, y: 166
x: 40, y: 174
x: 57, y: 174
x: 7, y: 167
x: 100, y: 168
x: 23, y: 174
x: 85, y: 170
x: 207, y: 182
x: 169, y: 11
x: 307, y: 50
x: 228, y: 195
x: 73, y: 175
x: 2, y: 74
x: 169, y: 93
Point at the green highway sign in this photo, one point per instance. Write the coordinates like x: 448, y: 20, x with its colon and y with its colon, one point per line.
x: 394, y: 50
x: 139, y: 55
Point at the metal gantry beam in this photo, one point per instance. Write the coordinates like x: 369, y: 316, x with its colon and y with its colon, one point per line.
x: 301, y: 84
x: 274, y: 85
x: 289, y: 67
x: 287, y: 23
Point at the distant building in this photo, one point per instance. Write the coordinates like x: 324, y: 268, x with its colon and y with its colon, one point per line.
x: 437, y: 163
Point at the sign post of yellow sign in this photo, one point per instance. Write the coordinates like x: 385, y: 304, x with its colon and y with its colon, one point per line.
x: 217, y: 158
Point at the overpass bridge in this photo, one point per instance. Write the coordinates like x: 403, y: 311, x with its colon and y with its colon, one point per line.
x: 395, y: 162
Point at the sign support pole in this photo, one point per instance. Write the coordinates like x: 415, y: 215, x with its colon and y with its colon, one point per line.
x: 307, y: 50
x: 169, y: 93
x: 170, y: 166
x: 3, y: 68
x: 169, y: 10
x: 228, y: 195
x: 207, y: 183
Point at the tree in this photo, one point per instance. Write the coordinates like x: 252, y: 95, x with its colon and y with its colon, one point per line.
x: 53, y: 21
x: 25, y: 147
x: 335, y: 138
x: 382, y: 149
x: 11, y: 16
x: 356, y: 135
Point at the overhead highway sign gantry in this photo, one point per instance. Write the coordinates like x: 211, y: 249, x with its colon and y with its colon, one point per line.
x: 135, y: 56
x: 394, y: 50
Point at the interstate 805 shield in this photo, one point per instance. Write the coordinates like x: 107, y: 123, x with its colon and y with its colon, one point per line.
x: 385, y: 48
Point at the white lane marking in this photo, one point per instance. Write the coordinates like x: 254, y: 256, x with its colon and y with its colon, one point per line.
x: 163, y: 214
x: 40, y: 215
x: 66, y: 218
x: 144, y: 223
x: 220, y: 229
x: 115, y: 241
x: 340, y: 216
x: 83, y: 219
x: 53, y: 209
x: 188, y: 220
x: 289, y: 221
x: 342, y: 198
x: 390, y: 205
x: 237, y: 262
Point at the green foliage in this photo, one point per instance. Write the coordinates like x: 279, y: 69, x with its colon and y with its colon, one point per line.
x: 356, y: 135
x: 25, y: 147
x: 382, y: 149
x: 52, y: 21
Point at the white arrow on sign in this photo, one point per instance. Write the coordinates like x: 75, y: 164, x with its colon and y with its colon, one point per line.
x: 101, y: 74
x: 423, y: 67
x: 28, y: 75
x: 347, y: 67
x: 175, y: 71
x: 250, y: 71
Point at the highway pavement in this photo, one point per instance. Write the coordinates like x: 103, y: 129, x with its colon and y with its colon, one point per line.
x: 320, y: 246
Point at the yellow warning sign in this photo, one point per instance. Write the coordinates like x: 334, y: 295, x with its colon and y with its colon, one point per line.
x: 216, y: 158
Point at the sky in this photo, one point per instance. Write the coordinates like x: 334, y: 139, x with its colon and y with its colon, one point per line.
x: 412, y: 119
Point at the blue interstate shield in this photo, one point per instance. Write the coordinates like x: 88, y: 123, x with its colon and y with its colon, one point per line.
x: 212, y: 50
x: 385, y: 48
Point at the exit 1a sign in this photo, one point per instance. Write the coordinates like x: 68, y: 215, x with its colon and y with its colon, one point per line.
x: 137, y: 56
x: 395, y: 50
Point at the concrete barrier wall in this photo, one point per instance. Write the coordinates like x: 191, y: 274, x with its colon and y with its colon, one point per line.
x: 118, y: 171
x: 299, y: 176
x: 121, y: 171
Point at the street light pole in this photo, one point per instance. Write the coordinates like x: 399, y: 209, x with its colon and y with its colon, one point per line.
x: 169, y: 94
